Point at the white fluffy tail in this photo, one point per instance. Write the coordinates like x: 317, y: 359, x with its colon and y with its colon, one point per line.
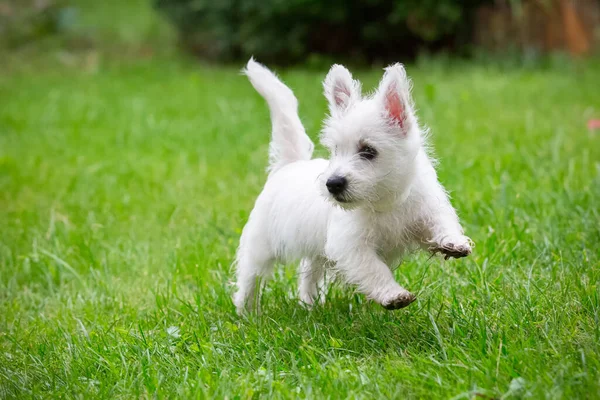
x: 289, y: 140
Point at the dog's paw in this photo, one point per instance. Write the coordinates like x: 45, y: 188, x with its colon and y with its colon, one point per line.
x: 400, y: 300
x: 307, y: 301
x: 456, y: 247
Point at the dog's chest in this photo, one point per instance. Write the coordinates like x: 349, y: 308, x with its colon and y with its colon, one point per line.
x: 391, y: 234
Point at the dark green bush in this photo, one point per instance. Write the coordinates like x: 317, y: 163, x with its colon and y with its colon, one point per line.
x: 284, y: 31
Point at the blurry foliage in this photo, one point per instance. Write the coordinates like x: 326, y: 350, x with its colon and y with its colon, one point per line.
x: 284, y: 31
x: 24, y: 21
x: 120, y: 27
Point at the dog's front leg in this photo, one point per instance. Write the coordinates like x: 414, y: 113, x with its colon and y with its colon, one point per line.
x: 362, y: 267
x: 441, y: 230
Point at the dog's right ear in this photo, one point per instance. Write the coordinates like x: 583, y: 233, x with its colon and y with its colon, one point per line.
x: 340, y: 89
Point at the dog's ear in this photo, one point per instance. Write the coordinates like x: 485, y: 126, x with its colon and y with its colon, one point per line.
x: 340, y: 89
x: 394, y: 97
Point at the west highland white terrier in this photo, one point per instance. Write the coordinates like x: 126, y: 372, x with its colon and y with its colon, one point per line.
x: 358, y: 213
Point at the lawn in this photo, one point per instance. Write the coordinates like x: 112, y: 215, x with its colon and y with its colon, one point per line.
x: 124, y: 188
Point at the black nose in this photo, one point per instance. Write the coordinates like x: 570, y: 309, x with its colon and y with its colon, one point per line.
x: 336, y: 184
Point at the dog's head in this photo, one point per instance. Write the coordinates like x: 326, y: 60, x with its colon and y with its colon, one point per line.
x: 373, y: 141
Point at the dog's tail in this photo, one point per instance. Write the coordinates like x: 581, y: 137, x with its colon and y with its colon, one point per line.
x: 289, y: 141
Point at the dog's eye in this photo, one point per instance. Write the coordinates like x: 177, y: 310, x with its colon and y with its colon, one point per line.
x: 367, y: 152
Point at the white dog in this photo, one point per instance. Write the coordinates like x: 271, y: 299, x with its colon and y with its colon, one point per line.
x: 376, y: 198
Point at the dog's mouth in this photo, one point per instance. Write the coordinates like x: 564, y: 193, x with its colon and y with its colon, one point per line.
x: 341, y: 198
x: 345, y: 201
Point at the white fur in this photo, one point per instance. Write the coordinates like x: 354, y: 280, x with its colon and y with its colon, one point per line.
x: 392, y: 204
x: 289, y: 143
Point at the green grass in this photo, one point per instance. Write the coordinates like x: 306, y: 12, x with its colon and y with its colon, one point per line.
x: 123, y: 193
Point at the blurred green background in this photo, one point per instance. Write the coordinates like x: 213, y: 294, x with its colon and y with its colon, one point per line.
x: 132, y: 151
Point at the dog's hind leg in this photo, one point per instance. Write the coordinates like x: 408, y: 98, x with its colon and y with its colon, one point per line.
x: 251, y: 275
x: 311, y: 276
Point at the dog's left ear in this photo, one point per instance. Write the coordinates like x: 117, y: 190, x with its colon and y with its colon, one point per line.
x: 340, y: 89
x: 394, y: 95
